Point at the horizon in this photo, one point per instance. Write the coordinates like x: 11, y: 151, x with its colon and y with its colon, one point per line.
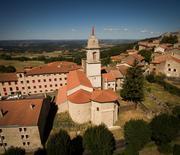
x: 73, y: 20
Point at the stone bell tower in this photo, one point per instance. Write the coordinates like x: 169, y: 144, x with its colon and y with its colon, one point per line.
x: 93, y: 63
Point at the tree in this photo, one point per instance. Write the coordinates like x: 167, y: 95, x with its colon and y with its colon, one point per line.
x: 132, y: 89
x: 169, y: 39
x: 59, y: 143
x: 176, y: 111
x: 176, y: 149
x: 99, y: 140
x: 106, y: 61
x: 137, y: 133
x: 15, y: 151
x: 147, y: 54
x: 77, y: 146
x: 164, y: 128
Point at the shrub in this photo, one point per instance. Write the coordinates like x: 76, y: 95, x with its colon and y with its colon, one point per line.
x: 15, y: 151
x: 99, y: 140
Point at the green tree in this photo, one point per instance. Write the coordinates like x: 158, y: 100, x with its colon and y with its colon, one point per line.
x: 169, y: 39
x: 137, y: 133
x: 132, y: 89
x: 15, y: 151
x: 176, y: 111
x: 99, y: 140
x: 77, y: 146
x: 176, y: 149
x: 106, y: 61
x: 147, y: 54
x: 164, y: 128
x: 59, y: 143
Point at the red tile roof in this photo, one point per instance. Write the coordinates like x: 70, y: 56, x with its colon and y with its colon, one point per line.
x: 20, y: 113
x: 80, y: 97
x: 62, y: 95
x: 163, y: 58
x: 123, y: 69
x: 54, y: 67
x: 76, y: 78
x: 7, y: 77
x: 104, y: 96
x: 109, y: 77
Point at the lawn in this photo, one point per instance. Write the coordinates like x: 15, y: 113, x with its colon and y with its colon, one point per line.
x: 20, y: 64
x: 157, y: 99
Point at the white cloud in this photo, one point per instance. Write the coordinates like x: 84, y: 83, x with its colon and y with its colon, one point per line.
x: 144, y: 31
x: 112, y: 29
x: 125, y: 29
x: 73, y: 30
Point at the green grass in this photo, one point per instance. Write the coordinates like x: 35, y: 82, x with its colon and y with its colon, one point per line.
x: 154, y: 94
x: 64, y: 121
x: 20, y: 64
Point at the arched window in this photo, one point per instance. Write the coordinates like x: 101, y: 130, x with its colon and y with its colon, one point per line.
x: 94, y: 55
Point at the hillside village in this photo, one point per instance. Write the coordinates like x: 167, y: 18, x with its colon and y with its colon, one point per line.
x: 87, y: 95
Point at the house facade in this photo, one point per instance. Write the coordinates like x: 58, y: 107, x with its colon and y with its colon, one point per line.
x: 22, y: 123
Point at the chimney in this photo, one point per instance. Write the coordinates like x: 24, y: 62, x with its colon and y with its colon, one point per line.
x: 32, y: 106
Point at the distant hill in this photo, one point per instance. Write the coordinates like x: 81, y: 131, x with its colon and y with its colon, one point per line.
x: 51, y: 45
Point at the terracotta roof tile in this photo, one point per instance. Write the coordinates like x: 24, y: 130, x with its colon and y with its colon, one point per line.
x: 62, y: 95
x: 104, y: 96
x: 123, y: 69
x: 108, y: 77
x: 54, y: 67
x: 76, y: 78
x: 7, y: 77
x: 19, y: 112
x: 80, y: 97
x: 163, y: 58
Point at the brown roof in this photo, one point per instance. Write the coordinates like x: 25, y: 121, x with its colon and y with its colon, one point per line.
x: 20, y: 113
x: 62, y: 95
x: 104, y: 96
x: 54, y: 67
x: 7, y: 77
x: 108, y: 77
x: 123, y: 69
x: 163, y: 58
x: 76, y: 78
x: 80, y: 97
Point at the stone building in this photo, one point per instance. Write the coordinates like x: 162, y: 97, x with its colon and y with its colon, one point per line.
x: 167, y: 65
x: 22, y: 123
x: 42, y: 79
x: 83, y: 96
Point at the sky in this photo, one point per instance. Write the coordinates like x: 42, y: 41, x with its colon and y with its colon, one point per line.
x: 73, y: 19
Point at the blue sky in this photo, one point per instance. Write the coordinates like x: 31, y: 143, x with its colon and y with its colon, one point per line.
x: 73, y: 19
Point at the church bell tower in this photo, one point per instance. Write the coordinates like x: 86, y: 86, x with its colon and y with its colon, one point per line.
x: 93, y: 63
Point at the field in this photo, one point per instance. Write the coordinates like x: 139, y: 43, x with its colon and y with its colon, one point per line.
x: 20, y: 64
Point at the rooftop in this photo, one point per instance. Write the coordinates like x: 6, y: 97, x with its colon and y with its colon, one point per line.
x: 23, y: 112
x: 7, y: 77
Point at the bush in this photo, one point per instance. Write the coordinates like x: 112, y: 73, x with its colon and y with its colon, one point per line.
x: 165, y: 148
x: 176, y: 149
x: 164, y: 128
x: 99, y: 140
x: 15, y: 151
x: 77, y: 146
x: 176, y: 111
x: 137, y: 133
x: 59, y: 143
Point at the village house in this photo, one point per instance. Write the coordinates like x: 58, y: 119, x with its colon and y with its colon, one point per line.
x: 167, y: 65
x: 162, y: 48
x: 42, y: 79
x: 22, y: 123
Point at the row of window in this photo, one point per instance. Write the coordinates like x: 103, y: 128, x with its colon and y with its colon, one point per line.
x: 169, y: 69
x: 22, y: 129
x: 45, y: 86
x: 24, y: 136
x: 44, y: 80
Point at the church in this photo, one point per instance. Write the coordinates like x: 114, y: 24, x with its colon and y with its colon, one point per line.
x: 83, y: 96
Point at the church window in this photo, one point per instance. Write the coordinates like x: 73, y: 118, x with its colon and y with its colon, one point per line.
x: 97, y: 108
x: 94, y: 55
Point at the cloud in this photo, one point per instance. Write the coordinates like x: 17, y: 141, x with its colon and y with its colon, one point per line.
x: 144, y: 31
x: 112, y: 29
x: 125, y: 29
x: 73, y: 30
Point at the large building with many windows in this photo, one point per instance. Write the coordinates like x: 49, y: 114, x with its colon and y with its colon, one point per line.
x: 22, y: 123
x: 42, y: 79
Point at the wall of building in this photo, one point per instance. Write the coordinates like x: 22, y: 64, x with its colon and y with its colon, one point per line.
x: 63, y: 107
x: 80, y: 113
x: 26, y: 137
x: 106, y: 113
